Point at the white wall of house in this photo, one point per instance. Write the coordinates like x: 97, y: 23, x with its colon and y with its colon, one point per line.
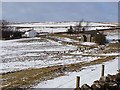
x: 31, y: 33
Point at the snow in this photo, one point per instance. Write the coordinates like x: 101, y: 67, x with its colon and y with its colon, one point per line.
x: 111, y: 37
x: 51, y: 30
x: 12, y: 46
x: 53, y: 27
x: 63, y: 39
x: 18, y: 65
x: 101, y: 24
x: 45, y: 25
x: 106, y: 54
x: 109, y: 54
x: 87, y: 75
x: 27, y: 53
x: 77, y: 52
x: 62, y: 24
x: 88, y: 43
x: 20, y: 54
x: 15, y: 66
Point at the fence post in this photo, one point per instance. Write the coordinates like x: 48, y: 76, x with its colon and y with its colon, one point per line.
x: 102, y: 74
x: 77, y: 83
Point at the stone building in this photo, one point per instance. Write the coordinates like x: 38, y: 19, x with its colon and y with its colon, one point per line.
x: 93, y: 36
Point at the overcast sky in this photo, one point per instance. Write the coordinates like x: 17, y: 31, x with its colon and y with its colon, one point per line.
x: 60, y: 11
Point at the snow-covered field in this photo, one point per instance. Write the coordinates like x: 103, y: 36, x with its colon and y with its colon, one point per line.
x: 60, y: 26
x: 19, y: 54
x: 29, y: 53
x: 87, y: 75
x: 50, y: 30
x: 88, y: 43
x: 114, y: 36
x: 26, y: 53
x: 37, y: 53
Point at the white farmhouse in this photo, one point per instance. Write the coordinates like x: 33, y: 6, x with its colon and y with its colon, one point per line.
x: 31, y: 33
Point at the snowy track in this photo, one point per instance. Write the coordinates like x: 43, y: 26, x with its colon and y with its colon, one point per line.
x: 87, y: 75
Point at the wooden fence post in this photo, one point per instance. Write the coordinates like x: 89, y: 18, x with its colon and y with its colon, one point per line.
x: 102, y: 74
x: 77, y: 83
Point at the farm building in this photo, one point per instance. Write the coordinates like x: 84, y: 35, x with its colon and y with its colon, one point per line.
x: 94, y: 36
x: 88, y: 36
x: 30, y: 33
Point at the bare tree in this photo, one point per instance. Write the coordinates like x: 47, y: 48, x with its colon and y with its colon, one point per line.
x: 79, y: 26
x: 70, y: 30
x: 4, y: 25
x: 86, y: 27
x: 7, y: 32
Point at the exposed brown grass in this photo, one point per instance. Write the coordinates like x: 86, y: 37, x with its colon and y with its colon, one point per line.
x: 112, y: 47
x: 29, y: 77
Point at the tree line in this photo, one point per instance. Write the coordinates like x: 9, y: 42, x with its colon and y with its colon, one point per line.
x: 8, y: 32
